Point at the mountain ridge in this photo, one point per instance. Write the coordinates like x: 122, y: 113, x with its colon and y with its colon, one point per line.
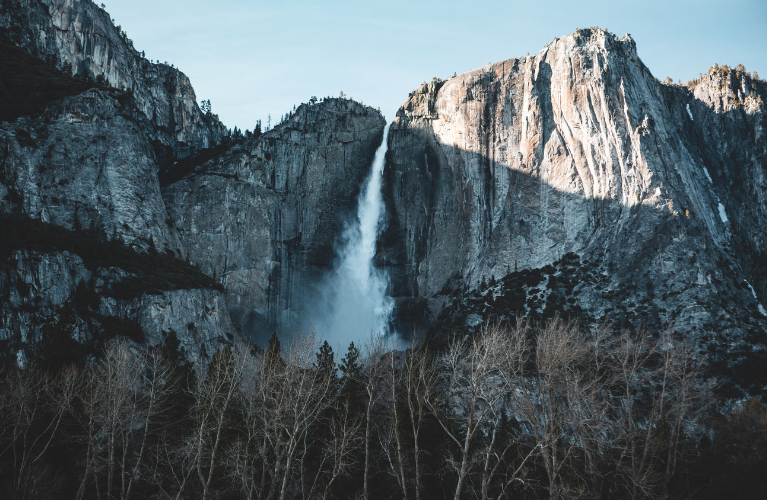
x: 580, y: 149
x: 572, y: 179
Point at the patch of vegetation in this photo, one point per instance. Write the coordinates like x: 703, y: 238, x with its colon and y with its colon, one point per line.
x: 112, y: 327
x: 173, y: 168
x: 150, y: 273
x: 538, y: 294
x: 173, y: 171
x: 28, y: 85
x: 63, y: 342
x: 58, y: 348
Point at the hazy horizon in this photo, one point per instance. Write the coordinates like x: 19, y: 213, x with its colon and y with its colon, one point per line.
x: 253, y: 59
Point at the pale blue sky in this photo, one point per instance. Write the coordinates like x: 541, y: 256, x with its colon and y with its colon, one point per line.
x: 252, y: 58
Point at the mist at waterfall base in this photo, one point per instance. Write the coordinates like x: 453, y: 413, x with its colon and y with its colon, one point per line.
x: 351, y: 302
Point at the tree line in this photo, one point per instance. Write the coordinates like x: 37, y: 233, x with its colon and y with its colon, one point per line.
x: 515, y: 411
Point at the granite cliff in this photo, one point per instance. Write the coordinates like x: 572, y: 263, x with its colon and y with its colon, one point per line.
x: 573, y: 182
x: 264, y: 217
x: 79, y: 38
x: 126, y: 210
x: 568, y: 182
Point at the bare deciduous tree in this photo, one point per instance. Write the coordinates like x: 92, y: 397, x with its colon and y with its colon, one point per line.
x: 500, y: 440
x: 342, y: 441
x: 390, y: 435
x: 158, y: 383
x: 474, y: 385
x: 374, y: 374
x: 551, y: 409
x: 32, y: 404
x: 419, y: 381
x: 247, y: 459
x: 214, y: 396
x: 299, y: 401
x: 661, y: 393
x: 549, y: 397
x: 118, y: 399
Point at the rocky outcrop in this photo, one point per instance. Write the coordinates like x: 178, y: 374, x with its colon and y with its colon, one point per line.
x: 86, y: 162
x: 51, y: 293
x: 198, y: 316
x: 79, y: 38
x: 577, y: 150
x: 726, y: 130
x: 88, y: 165
x: 568, y: 182
x: 264, y: 218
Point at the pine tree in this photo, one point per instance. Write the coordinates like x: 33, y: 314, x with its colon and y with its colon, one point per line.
x: 352, y: 387
x: 274, y: 348
x: 350, y: 366
x: 325, y: 359
x: 351, y: 370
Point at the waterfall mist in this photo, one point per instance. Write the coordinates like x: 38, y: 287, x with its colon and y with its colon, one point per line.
x: 352, y: 302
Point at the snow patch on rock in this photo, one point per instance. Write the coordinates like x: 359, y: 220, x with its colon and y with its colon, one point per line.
x: 758, y: 304
x: 722, y: 214
x: 708, y: 176
x: 753, y: 292
x: 21, y: 359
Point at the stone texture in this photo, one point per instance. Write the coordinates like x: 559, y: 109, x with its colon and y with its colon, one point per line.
x: 571, y: 181
x: 78, y: 36
x: 261, y: 218
x: 86, y: 161
x: 92, y: 160
x: 199, y: 317
x: 38, y: 288
x: 727, y: 131
x: 264, y: 217
x: 575, y: 150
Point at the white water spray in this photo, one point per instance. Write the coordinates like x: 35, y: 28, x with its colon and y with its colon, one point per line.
x: 353, y: 299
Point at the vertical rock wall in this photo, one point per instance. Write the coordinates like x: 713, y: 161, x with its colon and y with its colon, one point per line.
x: 577, y: 150
x: 264, y: 218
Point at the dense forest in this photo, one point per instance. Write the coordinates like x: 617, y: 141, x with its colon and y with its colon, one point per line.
x: 514, y: 411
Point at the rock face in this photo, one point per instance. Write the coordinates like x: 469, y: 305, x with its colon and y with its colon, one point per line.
x: 728, y: 132
x: 86, y: 161
x: 41, y: 295
x: 569, y: 182
x: 260, y: 217
x: 265, y: 216
x: 78, y: 37
x: 578, y: 152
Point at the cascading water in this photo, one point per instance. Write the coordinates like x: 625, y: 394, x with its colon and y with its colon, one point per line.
x: 353, y: 299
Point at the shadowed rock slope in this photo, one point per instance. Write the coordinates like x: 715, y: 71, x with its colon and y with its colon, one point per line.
x: 568, y: 182
x: 573, y: 181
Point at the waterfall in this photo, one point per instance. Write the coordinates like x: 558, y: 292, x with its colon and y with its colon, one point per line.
x: 353, y: 300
